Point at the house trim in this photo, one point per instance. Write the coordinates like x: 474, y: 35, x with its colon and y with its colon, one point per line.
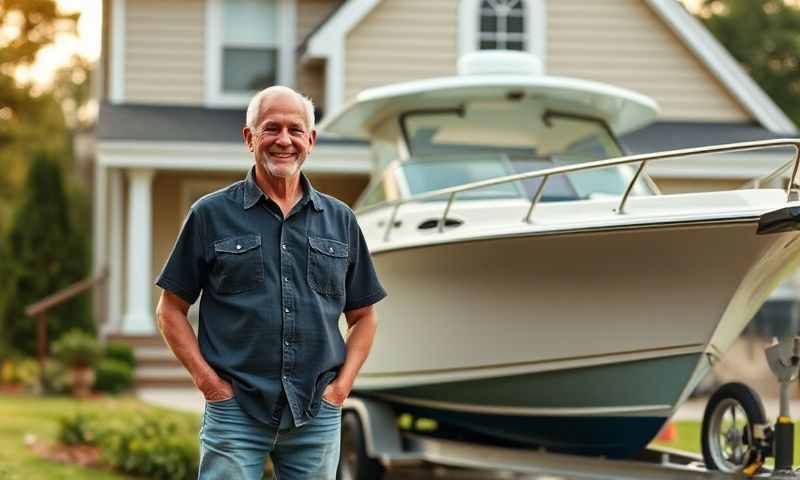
x: 724, y: 67
x: 214, y: 97
x: 329, y: 42
x: 342, y: 159
x: 117, y: 73
x: 535, y: 20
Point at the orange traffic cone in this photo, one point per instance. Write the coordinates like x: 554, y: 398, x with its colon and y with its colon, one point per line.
x: 668, y: 433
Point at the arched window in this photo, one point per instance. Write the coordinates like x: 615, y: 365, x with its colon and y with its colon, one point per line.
x: 502, y: 25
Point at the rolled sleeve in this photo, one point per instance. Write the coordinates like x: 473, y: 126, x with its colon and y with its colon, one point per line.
x: 362, y: 285
x: 184, y: 272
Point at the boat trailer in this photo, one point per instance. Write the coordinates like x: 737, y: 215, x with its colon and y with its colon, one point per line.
x: 372, y: 442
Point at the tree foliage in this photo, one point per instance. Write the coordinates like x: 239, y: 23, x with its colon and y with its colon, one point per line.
x: 47, y: 255
x: 763, y: 36
x: 29, y: 119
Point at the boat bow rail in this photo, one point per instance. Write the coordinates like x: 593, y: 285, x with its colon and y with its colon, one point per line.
x: 641, y: 159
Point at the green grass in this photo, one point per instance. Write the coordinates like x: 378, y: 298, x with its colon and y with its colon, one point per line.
x: 688, y: 439
x: 23, y: 415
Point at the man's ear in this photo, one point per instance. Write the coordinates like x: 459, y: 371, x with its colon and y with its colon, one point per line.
x: 312, y: 139
x: 247, y: 136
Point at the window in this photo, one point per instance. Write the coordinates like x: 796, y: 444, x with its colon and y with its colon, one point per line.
x: 250, y: 46
x: 502, y: 25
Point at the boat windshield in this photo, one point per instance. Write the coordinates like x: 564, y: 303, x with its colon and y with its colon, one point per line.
x: 453, y: 147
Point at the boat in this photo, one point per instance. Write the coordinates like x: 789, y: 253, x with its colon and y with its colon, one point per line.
x: 542, y: 292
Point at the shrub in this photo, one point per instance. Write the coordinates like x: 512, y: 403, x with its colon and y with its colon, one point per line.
x: 56, y: 379
x: 156, y: 446
x: 27, y: 373
x: 77, y: 349
x: 78, y: 430
x: 113, y: 376
x: 121, y: 352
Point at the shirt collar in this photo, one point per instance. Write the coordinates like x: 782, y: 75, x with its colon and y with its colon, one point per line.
x: 253, y: 193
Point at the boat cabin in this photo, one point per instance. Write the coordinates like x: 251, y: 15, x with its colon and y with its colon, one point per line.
x: 499, y: 117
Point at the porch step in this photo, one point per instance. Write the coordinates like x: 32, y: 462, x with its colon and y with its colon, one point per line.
x: 156, y: 366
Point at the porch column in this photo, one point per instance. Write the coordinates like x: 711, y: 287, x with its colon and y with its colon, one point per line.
x: 116, y: 250
x: 138, y: 316
x: 100, y: 242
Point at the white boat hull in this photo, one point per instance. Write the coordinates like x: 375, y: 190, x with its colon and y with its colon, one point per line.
x: 472, y: 331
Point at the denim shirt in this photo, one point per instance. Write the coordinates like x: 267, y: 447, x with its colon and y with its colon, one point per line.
x: 273, y: 290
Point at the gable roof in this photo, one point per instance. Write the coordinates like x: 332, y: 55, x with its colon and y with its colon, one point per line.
x: 727, y: 70
x: 327, y: 41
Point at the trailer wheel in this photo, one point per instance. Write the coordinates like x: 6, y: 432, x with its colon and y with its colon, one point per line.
x: 728, y: 440
x: 354, y: 464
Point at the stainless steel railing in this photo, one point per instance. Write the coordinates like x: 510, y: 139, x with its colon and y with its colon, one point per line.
x: 642, y: 159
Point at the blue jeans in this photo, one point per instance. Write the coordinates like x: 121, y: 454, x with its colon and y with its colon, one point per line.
x: 235, y: 446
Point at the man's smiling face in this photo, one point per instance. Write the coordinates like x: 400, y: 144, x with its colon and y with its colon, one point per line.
x: 282, y: 140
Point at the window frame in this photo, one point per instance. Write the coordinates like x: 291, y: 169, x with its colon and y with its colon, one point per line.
x: 287, y: 21
x: 535, y: 21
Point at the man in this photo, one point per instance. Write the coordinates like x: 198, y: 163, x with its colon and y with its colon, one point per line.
x: 277, y: 263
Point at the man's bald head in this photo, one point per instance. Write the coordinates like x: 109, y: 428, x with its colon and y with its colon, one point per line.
x: 254, y: 108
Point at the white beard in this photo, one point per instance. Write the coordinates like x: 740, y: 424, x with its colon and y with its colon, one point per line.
x: 284, y: 170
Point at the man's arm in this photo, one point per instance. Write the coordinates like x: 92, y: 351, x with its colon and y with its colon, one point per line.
x: 177, y: 332
x: 361, y: 326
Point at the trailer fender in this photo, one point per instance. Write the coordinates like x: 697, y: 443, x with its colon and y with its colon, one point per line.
x: 381, y: 436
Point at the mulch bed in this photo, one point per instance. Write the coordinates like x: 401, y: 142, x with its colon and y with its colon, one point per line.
x: 83, y: 455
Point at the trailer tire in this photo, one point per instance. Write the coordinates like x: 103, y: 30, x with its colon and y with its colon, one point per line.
x: 354, y: 463
x: 731, y: 447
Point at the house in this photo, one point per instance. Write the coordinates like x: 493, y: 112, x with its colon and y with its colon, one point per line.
x: 175, y: 78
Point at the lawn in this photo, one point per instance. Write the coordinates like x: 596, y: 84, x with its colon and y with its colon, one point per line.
x: 22, y: 416
x: 688, y: 439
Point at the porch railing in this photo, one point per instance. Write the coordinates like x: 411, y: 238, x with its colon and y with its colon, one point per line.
x: 39, y: 309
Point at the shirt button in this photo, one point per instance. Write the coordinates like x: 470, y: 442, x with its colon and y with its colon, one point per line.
x: 238, y: 247
x: 330, y: 249
x: 284, y: 377
x: 285, y: 279
x: 283, y: 246
x: 286, y: 310
x: 286, y: 343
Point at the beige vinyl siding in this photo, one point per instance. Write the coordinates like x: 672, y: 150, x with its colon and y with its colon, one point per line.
x: 310, y: 81
x: 624, y: 43
x: 310, y: 13
x: 165, y: 51
x: 402, y: 40
x: 310, y: 78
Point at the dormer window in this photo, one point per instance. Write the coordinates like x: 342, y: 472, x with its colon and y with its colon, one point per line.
x: 250, y: 46
x: 502, y: 25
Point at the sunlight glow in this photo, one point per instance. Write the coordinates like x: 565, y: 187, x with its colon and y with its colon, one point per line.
x: 86, y: 44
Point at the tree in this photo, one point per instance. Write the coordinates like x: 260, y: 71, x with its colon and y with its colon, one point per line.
x: 29, y: 119
x: 762, y: 36
x: 48, y: 254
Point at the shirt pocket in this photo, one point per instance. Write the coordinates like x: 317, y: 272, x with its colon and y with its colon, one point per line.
x: 327, y: 265
x: 239, y: 265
